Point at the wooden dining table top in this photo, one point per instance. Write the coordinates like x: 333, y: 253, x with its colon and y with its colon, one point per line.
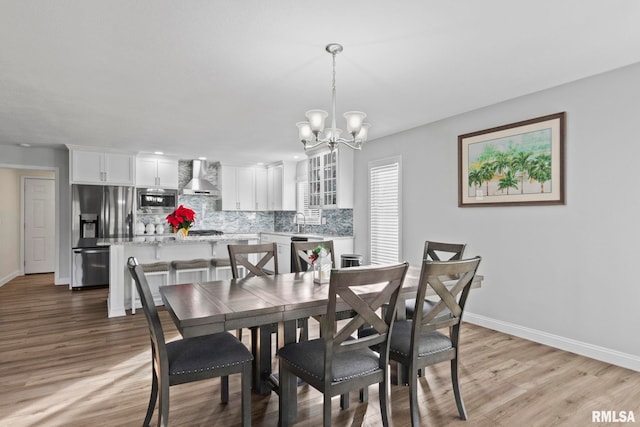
x: 223, y: 305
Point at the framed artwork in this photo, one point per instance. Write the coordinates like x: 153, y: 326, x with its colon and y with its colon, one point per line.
x: 517, y: 164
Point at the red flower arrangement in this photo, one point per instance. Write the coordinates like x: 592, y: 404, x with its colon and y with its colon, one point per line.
x: 315, y: 254
x: 181, y: 218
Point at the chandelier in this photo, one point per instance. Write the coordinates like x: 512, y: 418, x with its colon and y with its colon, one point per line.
x: 313, y: 133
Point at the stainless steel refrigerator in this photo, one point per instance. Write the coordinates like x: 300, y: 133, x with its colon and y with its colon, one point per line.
x: 98, y: 213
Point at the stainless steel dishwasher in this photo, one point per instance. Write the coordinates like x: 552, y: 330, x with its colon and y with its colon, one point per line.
x: 90, y: 267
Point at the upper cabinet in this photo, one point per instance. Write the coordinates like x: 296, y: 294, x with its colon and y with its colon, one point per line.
x: 281, y: 189
x: 331, y: 178
x: 238, y: 188
x: 261, y: 189
x: 154, y: 171
x: 101, y: 167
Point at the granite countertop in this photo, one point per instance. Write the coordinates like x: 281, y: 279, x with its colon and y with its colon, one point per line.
x: 311, y: 235
x: 156, y: 239
x: 171, y: 239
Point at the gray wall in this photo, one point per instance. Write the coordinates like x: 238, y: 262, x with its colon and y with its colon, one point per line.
x: 561, y: 275
x: 56, y: 160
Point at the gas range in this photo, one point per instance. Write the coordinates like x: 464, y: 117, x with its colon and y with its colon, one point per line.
x: 205, y: 233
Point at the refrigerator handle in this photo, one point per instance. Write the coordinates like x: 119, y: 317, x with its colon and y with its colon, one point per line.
x: 106, y: 210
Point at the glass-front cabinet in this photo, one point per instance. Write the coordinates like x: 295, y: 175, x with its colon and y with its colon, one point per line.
x: 331, y: 178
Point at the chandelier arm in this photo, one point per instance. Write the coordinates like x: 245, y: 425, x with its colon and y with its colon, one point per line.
x: 308, y: 146
x: 354, y: 145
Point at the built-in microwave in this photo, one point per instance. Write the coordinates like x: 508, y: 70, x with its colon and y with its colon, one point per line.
x: 156, y: 200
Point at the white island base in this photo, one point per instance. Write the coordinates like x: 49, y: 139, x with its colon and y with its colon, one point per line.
x: 162, y: 249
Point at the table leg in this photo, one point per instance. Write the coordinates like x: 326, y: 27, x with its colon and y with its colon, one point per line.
x: 261, y: 348
x: 287, y: 387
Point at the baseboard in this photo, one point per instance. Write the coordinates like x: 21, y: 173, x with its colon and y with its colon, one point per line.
x: 614, y: 357
x: 10, y: 277
x: 62, y: 281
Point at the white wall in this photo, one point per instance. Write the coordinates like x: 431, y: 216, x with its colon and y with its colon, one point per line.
x: 9, y: 224
x: 561, y: 275
x: 57, y: 161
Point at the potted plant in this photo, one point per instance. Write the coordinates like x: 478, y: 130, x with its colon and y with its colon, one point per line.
x: 181, y: 220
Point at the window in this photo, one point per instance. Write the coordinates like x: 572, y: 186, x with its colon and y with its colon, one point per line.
x: 384, y: 211
x: 312, y: 216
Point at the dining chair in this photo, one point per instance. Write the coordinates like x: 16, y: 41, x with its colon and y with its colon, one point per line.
x: 302, y: 262
x: 436, y: 251
x: 190, y: 359
x: 240, y: 255
x: 339, y: 362
x: 417, y: 343
x: 303, y: 250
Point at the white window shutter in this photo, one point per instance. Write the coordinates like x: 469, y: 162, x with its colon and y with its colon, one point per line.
x: 312, y: 216
x: 384, y: 212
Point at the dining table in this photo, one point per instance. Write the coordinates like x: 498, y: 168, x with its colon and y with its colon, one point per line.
x: 202, y: 308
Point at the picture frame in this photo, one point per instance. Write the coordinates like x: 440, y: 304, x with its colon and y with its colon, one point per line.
x: 513, y: 165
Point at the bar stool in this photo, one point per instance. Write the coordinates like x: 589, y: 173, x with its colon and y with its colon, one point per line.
x: 152, y: 269
x: 218, y: 264
x: 223, y: 263
x: 191, y: 266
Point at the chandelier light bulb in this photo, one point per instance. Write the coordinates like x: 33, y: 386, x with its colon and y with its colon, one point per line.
x: 354, y: 121
x: 316, y: 119
x: 304, y: 130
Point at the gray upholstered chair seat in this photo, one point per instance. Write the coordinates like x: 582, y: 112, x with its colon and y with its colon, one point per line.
x: 400, y: 341
x: 204, y: 353
x: 410, y: 306
x: 309, y: 356
x: 189, y: 264
x: 221, y: 262
x: 430, y: 342
x: 155, y: 267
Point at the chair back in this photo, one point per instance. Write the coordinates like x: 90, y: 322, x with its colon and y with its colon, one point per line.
x: 433, y: 251
x: 343, y: 284
x: 451, y: 280
x: 239, y: 256
x: 304, y: 249
x: 158, y: 345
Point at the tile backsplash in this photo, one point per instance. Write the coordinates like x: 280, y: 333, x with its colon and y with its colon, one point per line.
x: 210, y: 217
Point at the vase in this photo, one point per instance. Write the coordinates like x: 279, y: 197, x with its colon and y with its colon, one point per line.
x: 322, y: 269
x: 182, y: 233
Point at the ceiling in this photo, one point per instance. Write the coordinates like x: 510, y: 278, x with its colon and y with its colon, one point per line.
x: 229, y: 79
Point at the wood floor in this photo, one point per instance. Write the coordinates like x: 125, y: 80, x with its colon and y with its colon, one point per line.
x: 64, y: 363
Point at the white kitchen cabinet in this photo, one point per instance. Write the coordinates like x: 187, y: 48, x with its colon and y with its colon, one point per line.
x: 100, y: 167
x: 331, y: 178
x: 262, y: 189
x: 284, y: 250
x: 154, y: 171
x: 238, y: 188
x: 281, y: 177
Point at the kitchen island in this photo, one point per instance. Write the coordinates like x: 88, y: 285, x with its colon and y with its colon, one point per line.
x: 156, y: 248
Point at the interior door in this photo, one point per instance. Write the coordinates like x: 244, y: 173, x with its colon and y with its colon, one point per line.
x: 39, y: 225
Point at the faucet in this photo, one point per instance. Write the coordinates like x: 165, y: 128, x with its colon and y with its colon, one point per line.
x: 304, y: 221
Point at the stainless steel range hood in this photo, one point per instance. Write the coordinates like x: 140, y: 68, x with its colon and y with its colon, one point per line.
x: 199, y: 185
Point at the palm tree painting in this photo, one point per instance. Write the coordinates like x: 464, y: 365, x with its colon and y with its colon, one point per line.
x: 499, y: 161
x: 514, y: 166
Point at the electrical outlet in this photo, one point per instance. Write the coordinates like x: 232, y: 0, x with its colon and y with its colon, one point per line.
x: 323, y: 220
